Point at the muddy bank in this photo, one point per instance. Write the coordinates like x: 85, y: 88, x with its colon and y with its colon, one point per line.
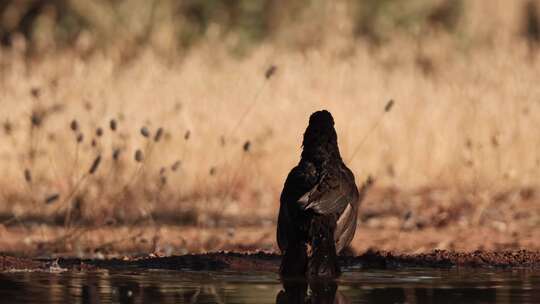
x: 444, y: 259
x: 270, y: 262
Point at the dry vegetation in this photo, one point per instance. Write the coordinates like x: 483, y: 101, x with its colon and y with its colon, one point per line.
x: 455, y: 160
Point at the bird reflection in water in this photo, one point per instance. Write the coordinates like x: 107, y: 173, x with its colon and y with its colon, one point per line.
x: 320, y: 292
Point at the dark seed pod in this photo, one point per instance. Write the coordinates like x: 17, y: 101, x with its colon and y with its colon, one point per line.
x: 187, y: 135
x: 95, y: 165
x: 116, y: 154
x: 112, y: 125
x: 407, y: 216
x: 162, y: 170
x: 99, y: 132
x: 145, y: 132
x: 36, y: 119
x: 175, y: 165
x: 52, y: 198
x: 212, y: 171
x: 35, y: 91
x: 139, y: 156
x: 88, y: 106
x: 246, y: 146
x: 80, y: 138
x: 27, y: 175
x: 389, y: 105
x: 74, y: 126
x: 94, y: 142
x: 468, y: 143
x: 8, y: 127
x: 495, y: 141
x: 158, y: 135
x: 270, y: 71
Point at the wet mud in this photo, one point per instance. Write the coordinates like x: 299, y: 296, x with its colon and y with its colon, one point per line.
x: 261, y: 261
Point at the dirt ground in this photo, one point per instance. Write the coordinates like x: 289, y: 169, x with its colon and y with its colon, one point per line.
x: 269, y: 262
x: 390, y: 220
x: 105, y: 157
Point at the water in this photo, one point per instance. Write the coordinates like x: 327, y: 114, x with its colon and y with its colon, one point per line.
x: 355, y: 286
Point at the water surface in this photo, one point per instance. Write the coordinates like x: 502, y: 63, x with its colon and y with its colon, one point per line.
x: 355, y: 286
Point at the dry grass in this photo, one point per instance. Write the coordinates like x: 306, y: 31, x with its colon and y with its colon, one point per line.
x: 466, y: 117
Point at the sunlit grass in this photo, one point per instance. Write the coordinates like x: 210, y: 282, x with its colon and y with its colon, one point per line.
x: 465, y: 117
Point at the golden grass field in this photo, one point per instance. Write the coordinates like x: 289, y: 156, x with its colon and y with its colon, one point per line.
x: 455, y: 160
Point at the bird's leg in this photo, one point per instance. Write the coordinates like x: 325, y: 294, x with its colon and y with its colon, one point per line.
x: 323, y: 261
x: 294, y: 261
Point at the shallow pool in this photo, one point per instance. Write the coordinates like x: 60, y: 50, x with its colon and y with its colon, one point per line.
x: 354, y: 286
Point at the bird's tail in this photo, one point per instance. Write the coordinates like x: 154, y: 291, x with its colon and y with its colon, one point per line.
x: 323, y: 261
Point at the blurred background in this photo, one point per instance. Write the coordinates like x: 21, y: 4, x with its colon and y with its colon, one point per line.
x: 137, y: 126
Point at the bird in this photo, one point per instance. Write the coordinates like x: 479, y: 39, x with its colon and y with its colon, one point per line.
x: 318, y: 205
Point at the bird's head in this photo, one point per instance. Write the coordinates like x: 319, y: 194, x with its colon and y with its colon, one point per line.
x: 320, y: 138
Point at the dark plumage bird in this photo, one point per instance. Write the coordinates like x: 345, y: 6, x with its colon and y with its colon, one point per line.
x: 318, y: 204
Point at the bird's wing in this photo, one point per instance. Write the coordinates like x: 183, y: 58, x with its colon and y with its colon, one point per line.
x: 297, y: 184
x: 331, y: 195
x: 337, y: 194
x: 346, y: 224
